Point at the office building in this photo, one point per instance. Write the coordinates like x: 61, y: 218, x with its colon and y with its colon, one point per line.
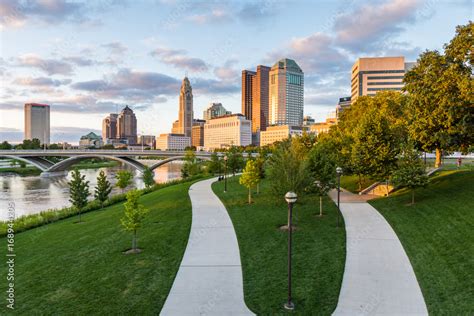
x: 197, y: 139
x: 372, y: 74
x: 308, y: 120
x: 248, y: 78
x: 323, y: 127
x: 109, y: 127
x: 278, y: 133
x: 215, y: 110
x: 91, y: 140
x: 226, y: 131
x: 184, y: 124
x: 343, y: 104
x: 172, y: 142
x: 286, y: 95
x: 147, y: 140
x: 127, y: 125
x: 37, y: 124
x: 255, y: 87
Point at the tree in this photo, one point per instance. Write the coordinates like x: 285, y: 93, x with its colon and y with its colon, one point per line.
x: 124, y: 179
x: 78, y: 191
x: 250, y: 177
x: 441, y: 115
x: 5, y: 145
x: 148, y: 177
x: 133, y: 217
x: 215, y: 164
x: 287, y: 169
x: 235, y: 160
x: 260, y: 163
x: 322, y: 170
x: 191, y: 166
x: 102, y: 189
x: 411, y: 171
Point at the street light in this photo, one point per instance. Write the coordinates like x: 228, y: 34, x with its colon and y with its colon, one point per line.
x: 319, y: 185
x: 339, y: 173
x: 225, y: 174
x: 290, y: 198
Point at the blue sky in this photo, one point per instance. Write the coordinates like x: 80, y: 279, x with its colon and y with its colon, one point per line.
x: 89, y: 58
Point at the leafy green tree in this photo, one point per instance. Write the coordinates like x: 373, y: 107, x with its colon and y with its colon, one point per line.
x: 102, y: 189
x: 191, y: 167
x: 133, y: 216
x: 148, y: 177
x: 5, y: 145
x: 441, y: 115
x: 235, y: 160
x: 78, y: 191
x: 287, y: 169
x: 260, y: 163
x: 322, y: 170
x: 250, y: 177
x: 411, y: 171
x: 215, y: 164
x: 124, y: 179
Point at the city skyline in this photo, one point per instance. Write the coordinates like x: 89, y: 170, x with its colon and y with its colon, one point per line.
x: 92, y: 72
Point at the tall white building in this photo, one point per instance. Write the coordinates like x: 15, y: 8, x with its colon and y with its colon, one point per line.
x: 225, y: 131
x: 37, y: 122
x: 286, y: 94
x: 172, y: 142
x: 184, y: 124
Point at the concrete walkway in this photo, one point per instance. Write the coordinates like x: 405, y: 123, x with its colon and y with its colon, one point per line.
x: 209, y: 280
x: 378, y: 277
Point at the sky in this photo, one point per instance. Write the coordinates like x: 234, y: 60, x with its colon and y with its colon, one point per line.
x: 90, y: 58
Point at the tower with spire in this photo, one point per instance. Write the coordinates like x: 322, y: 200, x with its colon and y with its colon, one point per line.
x: 185, y: 119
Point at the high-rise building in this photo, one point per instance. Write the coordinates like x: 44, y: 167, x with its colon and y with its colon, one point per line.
x: 226, y: 131
x: 248, y: 78
x: 286, y: 96
x: 197, y: 139
x: 372, y: 74
x: 127, y: 125
x: 215, y: 110
x: 279, y: 133
x: 109, y: 127
x: 37, y: 123
x: 260, y: 97
x: 185, y: 119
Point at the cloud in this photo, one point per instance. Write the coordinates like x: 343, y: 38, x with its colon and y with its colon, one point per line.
x: 212, y: 86
x: 367, y: 26
x: 227, y: 72
x: 115, y: 48
x: 215, y: 16
x: 40, y: 81
x: 49, y: 66
x: 179, y: 59
x: 257, y: 12
x: 80, y: 61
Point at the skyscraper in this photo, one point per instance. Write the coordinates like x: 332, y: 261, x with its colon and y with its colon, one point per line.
x: 260, y: 99
x: 37, y: 122
x: 373, y: 74
x: 286, y: 93
x: 127, y: 125
x: 248, y: 78
x: 185, y: 119
x: 215, y: 110
x: 109, y: 127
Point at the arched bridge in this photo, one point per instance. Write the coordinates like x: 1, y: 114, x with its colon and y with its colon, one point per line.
x: 39, y: 158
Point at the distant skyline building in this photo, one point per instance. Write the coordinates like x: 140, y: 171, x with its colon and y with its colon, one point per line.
x: 248, y: 78
x: 343, y: 104
x: 215, y: 110
x: 127, y: 125
x: 286, y: 94
x: 279, y: 133
x: 226, y: 131
x: 91, y: 140
x: 37, y: 122
x: 372, y: 74
x: 184, y: 123
x: 172, y: 142
x: 308, y: 120
x: 255, y: 95
x: 147, y: 140
x: 109, y: 127
x: 197, y: 138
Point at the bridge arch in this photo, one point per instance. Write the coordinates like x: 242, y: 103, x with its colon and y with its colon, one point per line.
x: 66, y: 163
x: 40, y: 163
x: 167, y: 160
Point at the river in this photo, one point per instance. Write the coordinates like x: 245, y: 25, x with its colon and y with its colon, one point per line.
x: 35, y: 194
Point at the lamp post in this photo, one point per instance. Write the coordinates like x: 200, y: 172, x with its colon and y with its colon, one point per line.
x: 225, y: 174
x: 319, y: 185
x: 290, y: 198
x: 339, y: 173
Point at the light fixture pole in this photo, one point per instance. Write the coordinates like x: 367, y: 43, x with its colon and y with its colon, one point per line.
x: 225, y: 174
x: 290, y: 198
x: 339, y: 173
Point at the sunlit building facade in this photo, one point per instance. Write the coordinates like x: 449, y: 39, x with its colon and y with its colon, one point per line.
x: 278, y: 133
x: 172, y: 142
x: 226, y: 131
x: 37, y: 124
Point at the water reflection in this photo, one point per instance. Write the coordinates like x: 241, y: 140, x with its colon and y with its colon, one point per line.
x: 34, y: 194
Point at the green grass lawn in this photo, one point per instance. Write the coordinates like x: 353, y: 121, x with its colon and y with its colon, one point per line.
x: 319, y: 251
x: 79, y: 269
x: 438, y: 236
x: 351, y: 183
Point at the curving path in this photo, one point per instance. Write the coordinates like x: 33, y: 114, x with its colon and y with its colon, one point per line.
x: 378, y: 277
x: 209, y: 279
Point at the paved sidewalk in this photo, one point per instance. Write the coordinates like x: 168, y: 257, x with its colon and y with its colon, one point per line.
x: 209, y: 280
x: 378, y: 277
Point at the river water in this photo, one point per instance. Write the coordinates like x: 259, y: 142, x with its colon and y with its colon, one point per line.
x: 35, y: 194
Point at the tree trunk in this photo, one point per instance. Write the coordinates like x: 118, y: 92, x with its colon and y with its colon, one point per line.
x: 80, y: 220
x: 134, y: 240
x: 412, y: 196
x: 438, y: 158
x: 386, y: 186
x: 320, y: 205
x: 250, y: 196
x: 258, y: 188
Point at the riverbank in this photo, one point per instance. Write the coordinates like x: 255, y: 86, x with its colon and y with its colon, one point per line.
x: 28, y: 171
x: 67, y: 268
